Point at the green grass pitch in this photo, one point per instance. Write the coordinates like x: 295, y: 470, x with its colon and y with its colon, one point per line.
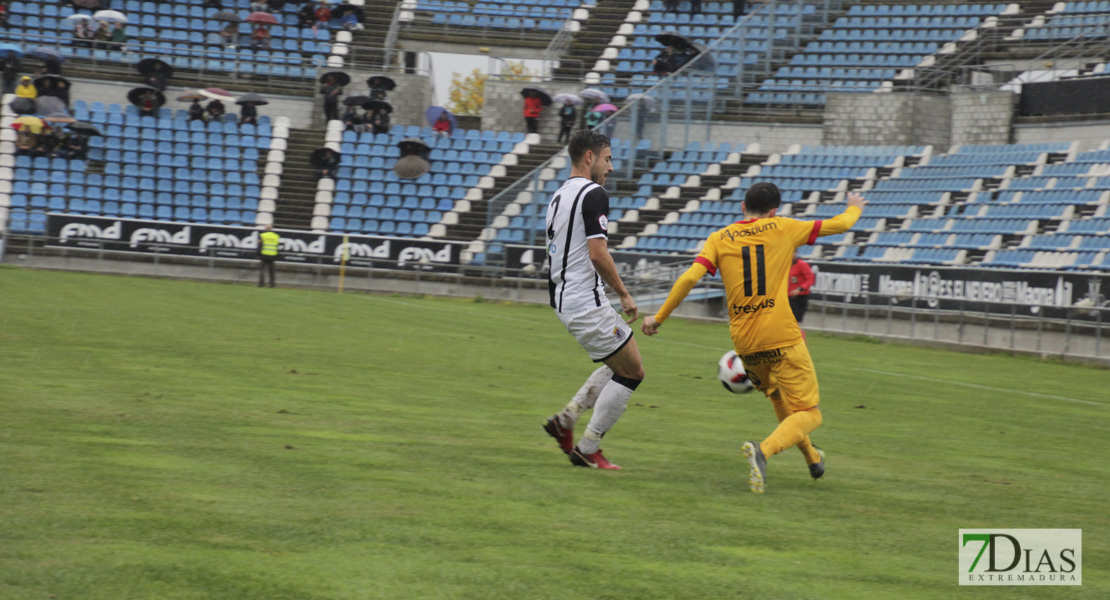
x: 178, y: 440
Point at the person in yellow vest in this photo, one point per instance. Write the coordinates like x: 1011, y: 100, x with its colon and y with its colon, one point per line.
x: 268, y: 243
x: 26, y: 89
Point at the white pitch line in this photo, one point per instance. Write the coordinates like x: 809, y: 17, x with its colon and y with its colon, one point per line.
x: 980, y: 386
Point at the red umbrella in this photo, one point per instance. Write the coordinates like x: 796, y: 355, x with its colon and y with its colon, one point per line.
x: 262, y: 17
x: 216, y: 94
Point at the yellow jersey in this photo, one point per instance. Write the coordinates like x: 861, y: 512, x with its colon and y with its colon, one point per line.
x: 754, y: 258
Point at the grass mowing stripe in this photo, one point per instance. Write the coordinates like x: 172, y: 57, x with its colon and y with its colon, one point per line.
x: 981, y: 387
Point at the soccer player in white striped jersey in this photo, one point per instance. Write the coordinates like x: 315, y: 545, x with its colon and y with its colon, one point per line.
x: 577, y: 222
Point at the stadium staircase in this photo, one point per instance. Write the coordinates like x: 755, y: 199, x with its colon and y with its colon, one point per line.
x: 376, y: 20
x: 594, y: 37
x: 297, y: 196
x: 472, y: 222
x: 651, y: 218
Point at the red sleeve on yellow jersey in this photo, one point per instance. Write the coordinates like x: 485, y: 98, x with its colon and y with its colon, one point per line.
x: 813, y: 235
x: 708, y: 255
x: 708, y: 264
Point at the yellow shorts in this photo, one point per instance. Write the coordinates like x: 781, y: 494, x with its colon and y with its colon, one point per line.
x: 788, y: 370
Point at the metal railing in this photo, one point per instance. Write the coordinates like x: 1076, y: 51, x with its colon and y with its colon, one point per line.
x: 422, y: 25
x: 1075, y: 331
x: 390, y: 42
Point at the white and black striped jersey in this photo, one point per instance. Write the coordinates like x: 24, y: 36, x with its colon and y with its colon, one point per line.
x: 578, y: 211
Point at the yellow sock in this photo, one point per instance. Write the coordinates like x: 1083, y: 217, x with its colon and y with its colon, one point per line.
x: 791, y: 431
x: 782, y: 411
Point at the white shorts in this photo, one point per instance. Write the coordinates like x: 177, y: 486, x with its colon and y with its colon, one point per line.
x: 601, y: 331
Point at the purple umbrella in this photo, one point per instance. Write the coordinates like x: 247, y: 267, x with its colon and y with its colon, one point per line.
x: 604, y: 108
x: 433, y: 112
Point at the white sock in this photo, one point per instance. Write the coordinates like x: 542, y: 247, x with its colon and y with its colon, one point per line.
x: 586, y: 397
x: 610, y: 406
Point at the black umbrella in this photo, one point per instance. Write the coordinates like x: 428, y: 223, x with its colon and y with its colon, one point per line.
x: 381, y: 81
x: 674, y: 40
x: 341, y: 11
x: 23, y: 106
x: 252, y: 98
x: 337, y: 76
x: 84, y: 128
x: 149, y: 66
x: 356, y: 100
x: 544, y: 97
x: 52, y: 79
x: 324, y: 158
x: 701, y: 58
x: 413, y: 146
x: 226, y: 15
x: 376, y: 105
x: 141, y: 93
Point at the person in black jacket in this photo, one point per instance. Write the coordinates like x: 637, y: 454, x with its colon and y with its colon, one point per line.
x: 331, y: 91
x: 568, y: 116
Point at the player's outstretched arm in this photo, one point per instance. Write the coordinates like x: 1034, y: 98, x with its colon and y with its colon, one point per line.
x: 607, y: 269
x: 845, y: 220
x: 679, y: 291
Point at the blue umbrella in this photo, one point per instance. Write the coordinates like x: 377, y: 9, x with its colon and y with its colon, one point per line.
x: 433, y: 112
x: 10, y: 50
x: 47, y: 53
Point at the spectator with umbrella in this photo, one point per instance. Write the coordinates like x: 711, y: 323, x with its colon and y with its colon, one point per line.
x: 118, y: 38
x: 26, y: 89
x: 230, y: 35
x: 23, y: 106
x: 442, y: 125
x: 534, y: 101
x: 352, y: 121
x: 51, y: 60
x: 11, y: 73
x: 332, y: 89
x: 379, y: 85
x: 323, y: 15
x: 74, y: 146
x: 248, y: 115
x: 380, y: 120
x: 568, y: 115
x: 102, y: 36
x: 435, y: 116
x: 155, y: 71
x: 216, y: 110
x: 306, y: 17
x: 260, y: 38
x: 663, y: 63
x: 148, y: 99
x: 414, y: 161
x: 326, y: 162
x: 83, y: 32
x: 196, y: 111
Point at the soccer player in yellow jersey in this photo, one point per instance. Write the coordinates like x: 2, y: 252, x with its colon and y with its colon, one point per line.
x: 754, y: 257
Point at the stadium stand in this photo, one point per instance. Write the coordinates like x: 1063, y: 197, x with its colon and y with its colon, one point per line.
x: 368, y: 197
x: 867, y: 48
x: 167, y: 168
x: 183, y: 34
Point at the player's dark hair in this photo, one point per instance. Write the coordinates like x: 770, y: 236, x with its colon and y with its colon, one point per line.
x: 583, y: 140
x: 762, y: 197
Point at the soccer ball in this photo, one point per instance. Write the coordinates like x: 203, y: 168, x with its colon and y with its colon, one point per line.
x: 731, y: 372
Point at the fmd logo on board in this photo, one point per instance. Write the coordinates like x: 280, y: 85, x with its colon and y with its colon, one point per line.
x: 1021, y: 557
